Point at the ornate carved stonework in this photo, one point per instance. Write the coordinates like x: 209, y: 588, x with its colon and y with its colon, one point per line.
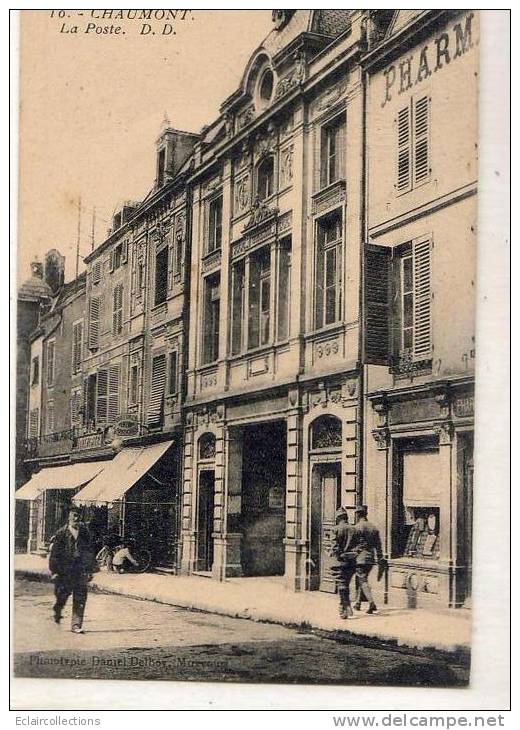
x: 244, y: 157
x: 208, y: 380
x: 334, y: 195
x: 286, y: 127
x: 242, y: 195
x: 445, y: 432
x: 265, y: 141
x: 294, y: 78
x: 330, y: 97
x: 380, y: 407
x: 382, y: 438
x: 211, y: 262
x: 285, y: 222
x: 160, y: 232
x: 260, y: 213
x: 326, y: 349
x: 286, y: 166
x: 212, y: 185
x: 442, y: 397
x: 246, y: 117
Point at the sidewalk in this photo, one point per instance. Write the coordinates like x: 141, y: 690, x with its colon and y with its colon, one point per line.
x: 266, y: 599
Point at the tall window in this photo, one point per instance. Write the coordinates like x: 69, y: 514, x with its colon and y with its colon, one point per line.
x: 158, y: 381
x: 96, y: 272
x: 264, y: 178
x: 77, y: 346
x: 413, y: 144
x: 161, y: 274
x: 172, y: 373
x: 259, y: 297
x: 332, y: 151
x: 51, y: 354
x: 35, y: 370
x: 237, y: 306
x: 328, y: 269
x: 284, y: 288
x: 134, y: 384
x: 117, y: 311
x: 214, y: 225
x: 412, y: 302
x: 75, y: 407
x: 211, y: 318
x: 107, y: 407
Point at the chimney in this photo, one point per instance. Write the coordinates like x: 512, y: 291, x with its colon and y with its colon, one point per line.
x: 173, y: 148
x: 54, y: 269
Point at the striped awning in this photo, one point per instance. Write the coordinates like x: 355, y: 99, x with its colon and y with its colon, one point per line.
x: 120, y: 474
x: 70, y: 476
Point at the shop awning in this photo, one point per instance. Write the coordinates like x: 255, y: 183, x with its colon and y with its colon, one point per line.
x: 71, y: 476
x: 120, y: 474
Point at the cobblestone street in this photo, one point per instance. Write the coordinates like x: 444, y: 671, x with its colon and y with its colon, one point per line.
x: 131, y: 639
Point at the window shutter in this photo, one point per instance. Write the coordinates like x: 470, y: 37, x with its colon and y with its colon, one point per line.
x: 96, y: 272
x: 156, y: 401
x: 422, y: 340
x: 404, y: 156
x: 102, y: 396
x: 421, y: 139
x: 50, y: 362
x: 113, y: 392
x: 117, y: 314
x: 86, y: 415
x: 377, y: 305
x: 94, y: 322
x: 124, y: 252
x: 77, y: 346
x: 111, y: 260
x: 33, y: 423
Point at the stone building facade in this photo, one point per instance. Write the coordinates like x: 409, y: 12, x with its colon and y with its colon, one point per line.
x: 273, y: 333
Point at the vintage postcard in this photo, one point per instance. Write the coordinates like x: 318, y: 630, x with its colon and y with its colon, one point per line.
x: 246, y: 346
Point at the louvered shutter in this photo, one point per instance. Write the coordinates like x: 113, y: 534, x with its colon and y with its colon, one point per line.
x: 102, y: 396
x: 33, y: 423
x: 404, y: 150
x: 86, y: 414
x: 124, y: 252
x: 111, y: 260
x: 421, y: 139
x: 113, y: 392
x: 96, y: 272
x: 77, y: 346
x: 377, y: 279
x: 117, y: 312
x: 94, y: 322
x: 422, y: 339
x: 156, y: 401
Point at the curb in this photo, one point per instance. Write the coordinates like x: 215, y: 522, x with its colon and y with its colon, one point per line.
x: 460, y: 652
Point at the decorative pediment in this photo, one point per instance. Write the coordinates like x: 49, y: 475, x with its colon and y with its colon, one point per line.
x: 260, y: 213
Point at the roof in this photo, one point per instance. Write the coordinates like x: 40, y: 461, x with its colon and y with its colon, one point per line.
x: 34, y: 289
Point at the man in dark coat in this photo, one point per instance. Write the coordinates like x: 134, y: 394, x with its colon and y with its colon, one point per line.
x: 345, y: 567
x: 71, y: 563
x: 366, y: 543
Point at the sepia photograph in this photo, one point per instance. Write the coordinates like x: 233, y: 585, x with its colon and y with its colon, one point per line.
x: 245, y: 349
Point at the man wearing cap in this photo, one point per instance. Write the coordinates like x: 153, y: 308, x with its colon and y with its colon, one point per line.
x: 366, y: 543
x: 344, y: 569
x: 71, y: 563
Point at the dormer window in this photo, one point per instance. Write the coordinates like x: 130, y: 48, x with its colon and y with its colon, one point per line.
x: 265, y: 178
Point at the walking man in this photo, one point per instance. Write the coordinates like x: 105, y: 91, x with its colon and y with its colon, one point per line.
x: 71, y: 563
x: 345, y: 567
x: 366, y: 543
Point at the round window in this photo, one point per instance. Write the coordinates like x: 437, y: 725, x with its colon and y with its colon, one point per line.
x: 266, y: 85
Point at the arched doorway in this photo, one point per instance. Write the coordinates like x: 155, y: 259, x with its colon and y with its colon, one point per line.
x: 325, y: 438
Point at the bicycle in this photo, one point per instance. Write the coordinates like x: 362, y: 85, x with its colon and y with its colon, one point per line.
x: 142, y: 555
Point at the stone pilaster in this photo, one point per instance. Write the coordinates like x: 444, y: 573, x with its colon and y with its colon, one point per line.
x: 296, y: 549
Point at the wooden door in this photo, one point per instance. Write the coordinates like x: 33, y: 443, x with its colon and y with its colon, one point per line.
x: 329, y: 485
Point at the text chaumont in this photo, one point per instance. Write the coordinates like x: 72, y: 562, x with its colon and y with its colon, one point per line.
x: 139, y: 14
